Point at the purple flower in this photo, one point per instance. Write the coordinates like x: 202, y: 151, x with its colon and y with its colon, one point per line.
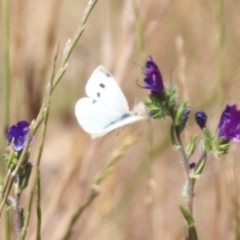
x: 229, y: 125
x: 201, y: 119
x: 153, y: 79
x: 17, y: 134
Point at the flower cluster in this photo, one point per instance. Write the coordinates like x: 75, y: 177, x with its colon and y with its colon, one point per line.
x: 162, y: 103
x: 17, y: 137
x: 162, y: 100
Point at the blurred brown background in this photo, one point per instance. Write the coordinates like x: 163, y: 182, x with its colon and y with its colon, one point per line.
x: 196, y: 46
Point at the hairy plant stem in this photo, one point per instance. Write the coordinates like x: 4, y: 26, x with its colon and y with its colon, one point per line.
x: 191, y: 182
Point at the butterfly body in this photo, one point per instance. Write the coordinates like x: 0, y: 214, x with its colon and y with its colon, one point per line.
x: 105, y: 108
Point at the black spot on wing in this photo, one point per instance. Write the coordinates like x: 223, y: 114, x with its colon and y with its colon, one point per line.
x: 98, y: 94
x: 102, y: 85
x: 94, y: 101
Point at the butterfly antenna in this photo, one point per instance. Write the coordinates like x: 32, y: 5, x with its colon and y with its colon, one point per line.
x: 139, y: 65
x: 106, y: 144
x: 119, y: 130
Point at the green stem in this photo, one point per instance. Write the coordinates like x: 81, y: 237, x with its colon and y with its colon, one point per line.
x: 182, y: 150
x: 38, y: 175
x: 17, y: 212
x: 27, y: 215
x: 191, y: 181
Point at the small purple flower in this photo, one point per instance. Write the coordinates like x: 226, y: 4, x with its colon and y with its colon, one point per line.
x: 17, y: 134
x: 201, y: 119
x: 229, y: 125
x: 153, y: 79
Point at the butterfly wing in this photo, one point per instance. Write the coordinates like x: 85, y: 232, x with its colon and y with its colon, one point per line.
x: 94, y: 116
x: 102, y: 87
x: 97, y: 120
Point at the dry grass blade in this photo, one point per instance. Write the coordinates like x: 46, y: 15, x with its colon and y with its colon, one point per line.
x: 94, y: 189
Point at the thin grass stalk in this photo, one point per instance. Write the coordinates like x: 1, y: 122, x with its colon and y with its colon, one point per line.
x: 17, y: 46
x: 221, y: 48
x: 71, y: 44
x: 7, y: 226
x: 27, y: 214
x: 38, y: 179
x: 94, y: 188
x: 139, y: 31
x: 37, y: 175
x: 140, y: 171
x: 66, y: 180
x: 6, y: 64
x: 17, y: 212
x: 6, y: 84
x: 150, y: 135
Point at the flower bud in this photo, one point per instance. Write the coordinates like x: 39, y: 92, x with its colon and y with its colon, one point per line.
x: 201, y: 119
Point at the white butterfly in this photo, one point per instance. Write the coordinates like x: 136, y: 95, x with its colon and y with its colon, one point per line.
x: 105, y: 108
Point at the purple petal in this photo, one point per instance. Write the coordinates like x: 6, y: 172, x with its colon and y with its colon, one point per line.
x: 229, y: 125
x: 153, y: 77
x: 18, y: 135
